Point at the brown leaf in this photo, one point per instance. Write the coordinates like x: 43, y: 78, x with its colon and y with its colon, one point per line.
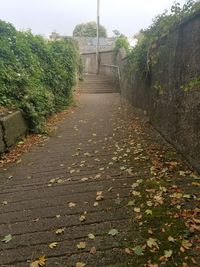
x: 40, y: 262
x: 93, y: 250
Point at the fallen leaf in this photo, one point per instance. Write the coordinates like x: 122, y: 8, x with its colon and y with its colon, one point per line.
x: 152, y: 265
x: 127, y: 251
x: 196, y: 183
x: 40, y: 262
x: 137, y: 210
x: 168, y: 253
x: 34, y: 264
x: 71, y: 205
x: 99, y: 196
x: 185, y: 245
x: 134, y: 185
x: 171, y: 239
x: 131, y: 203
x: 91, y: 236
x: 93, y: 250
x: 81, y: 245
x: 122, y: 168
x: 138, y: 250
x: 176, y: 195
x: 136, y: 193
x: 149, y: 203
x: 82, y: 218
x: 158, y: 199
x: 148, y: 212
x: 182, y: 173
x: 60, y: 231
x: 113, y: 232
x: 7, y: 238
x: 84, y: 179
x: 53, y: 245
x: 80, y: 264
x: 151, y: 242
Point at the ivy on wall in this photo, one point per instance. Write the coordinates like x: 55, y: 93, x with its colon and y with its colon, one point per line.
x: 148, y: 49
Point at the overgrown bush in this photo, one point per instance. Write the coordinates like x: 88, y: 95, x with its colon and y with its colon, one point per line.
x: 36, y: 75
x: 122, y: 42
x: 143, y: 56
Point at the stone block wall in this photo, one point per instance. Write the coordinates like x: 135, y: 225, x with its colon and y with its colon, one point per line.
x: 171, y: 95
x: 12, y: 128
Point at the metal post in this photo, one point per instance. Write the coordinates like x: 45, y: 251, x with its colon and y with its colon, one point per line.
x: 97, y: 47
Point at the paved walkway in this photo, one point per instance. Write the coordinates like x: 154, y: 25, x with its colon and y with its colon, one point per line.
x: 72, y: 199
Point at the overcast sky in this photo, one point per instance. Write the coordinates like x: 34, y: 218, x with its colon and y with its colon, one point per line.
x: 44, y: 16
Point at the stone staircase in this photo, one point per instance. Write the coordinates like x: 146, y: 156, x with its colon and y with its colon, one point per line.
x: 97, y: 84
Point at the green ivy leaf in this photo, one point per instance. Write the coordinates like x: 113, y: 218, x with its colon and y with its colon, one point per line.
x: 7, y: 238
x: 113, y: 232
x: 138, y: 250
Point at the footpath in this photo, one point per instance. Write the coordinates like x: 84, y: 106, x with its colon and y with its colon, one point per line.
x: 105, y: 190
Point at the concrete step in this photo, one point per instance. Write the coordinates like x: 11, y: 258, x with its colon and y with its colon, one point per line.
x: 95, y: 84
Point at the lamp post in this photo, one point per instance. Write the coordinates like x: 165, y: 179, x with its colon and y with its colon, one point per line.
x: 97, y: 47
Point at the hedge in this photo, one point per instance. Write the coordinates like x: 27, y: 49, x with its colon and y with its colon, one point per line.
x: 36, y: 75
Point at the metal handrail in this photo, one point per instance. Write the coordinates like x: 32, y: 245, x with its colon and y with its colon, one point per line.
x: 114, y: 66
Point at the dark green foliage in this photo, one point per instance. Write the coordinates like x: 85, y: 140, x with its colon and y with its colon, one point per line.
x: 89, y: 30
x: 122, y: 42
x: 35, y: 75
x: 147, y: 50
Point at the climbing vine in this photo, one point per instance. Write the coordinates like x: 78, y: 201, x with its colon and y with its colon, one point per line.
x: 146, y: 52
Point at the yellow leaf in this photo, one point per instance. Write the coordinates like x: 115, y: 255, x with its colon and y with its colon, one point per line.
x: 168, y: 253
x: 84, y: 179
x: 136, y: 193
x: 99, y: 196
x: 148, y: 212
x: 186, y: 244
x: 80, y: 264
x: 38, y: 263
x: 177, y: 195
x: 60, y: 231
x: 171, y: 239
x: 91, y: 236
x: 137, y: 210
x: 151, y: 242
x: 196, y: 183
x: 34, y: 264
x: 82, y: 218
x: 149, y: 203
x: 53, y: 245
x: 42, y: 261
x: 95, y: 204
x: 71, y: 205
x: 81, y: 245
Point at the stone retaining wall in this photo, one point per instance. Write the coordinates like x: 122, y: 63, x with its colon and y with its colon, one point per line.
x: 12, y: 128
x: 171, y: 94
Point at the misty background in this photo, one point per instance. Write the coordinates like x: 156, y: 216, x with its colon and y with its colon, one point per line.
x: 45, y: 16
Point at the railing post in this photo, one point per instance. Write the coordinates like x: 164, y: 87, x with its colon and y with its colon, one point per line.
x: 97, y: 47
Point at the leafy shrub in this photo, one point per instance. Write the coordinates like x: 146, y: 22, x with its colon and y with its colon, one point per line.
x: 36, y: 75
x: 122, y: 42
